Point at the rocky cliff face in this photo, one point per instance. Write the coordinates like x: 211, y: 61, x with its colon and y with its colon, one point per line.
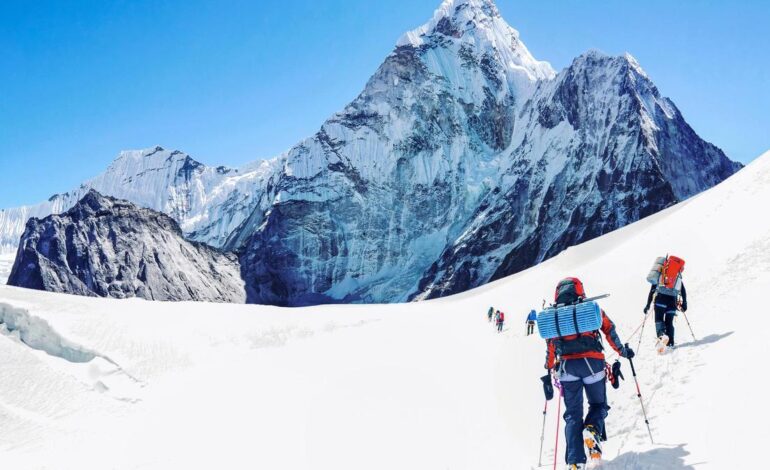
x: 463, y: 160
x: 110, y: 248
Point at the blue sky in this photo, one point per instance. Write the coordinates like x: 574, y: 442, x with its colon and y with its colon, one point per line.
x: 229, y: 82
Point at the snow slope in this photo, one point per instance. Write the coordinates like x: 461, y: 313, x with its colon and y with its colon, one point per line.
x: 424, y: 385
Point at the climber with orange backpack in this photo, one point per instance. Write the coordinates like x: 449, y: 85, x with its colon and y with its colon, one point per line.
x: 667, y: 288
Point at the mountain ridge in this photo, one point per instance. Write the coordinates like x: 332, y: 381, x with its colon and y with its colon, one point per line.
x: 464, y: 159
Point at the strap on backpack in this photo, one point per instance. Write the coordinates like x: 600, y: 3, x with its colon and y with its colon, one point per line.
x: 574, y: 319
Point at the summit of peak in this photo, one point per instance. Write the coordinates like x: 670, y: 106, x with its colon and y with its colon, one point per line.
x: 148, y: 153
x: 478, y: 24
x: 597, y: 58
x: 455, y: 17
x: 454, y: 7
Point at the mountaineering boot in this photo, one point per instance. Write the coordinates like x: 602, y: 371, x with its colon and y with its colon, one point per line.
x: 661, y: 344
x: 591, y: 436
x: 576, y: 466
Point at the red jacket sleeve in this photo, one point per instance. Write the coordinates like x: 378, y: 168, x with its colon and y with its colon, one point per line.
x: 550, y: 354
x: 608, y: 328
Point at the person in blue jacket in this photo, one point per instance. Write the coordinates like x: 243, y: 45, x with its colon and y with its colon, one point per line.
x: 531, y: 319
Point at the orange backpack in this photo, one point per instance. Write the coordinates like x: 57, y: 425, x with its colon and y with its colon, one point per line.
x: 670, y: 282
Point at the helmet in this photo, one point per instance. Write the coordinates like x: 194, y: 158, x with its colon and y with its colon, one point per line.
x: 569, y: 291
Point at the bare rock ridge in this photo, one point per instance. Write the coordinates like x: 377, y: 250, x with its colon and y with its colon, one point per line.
x: 111, y: 248
x: 463, y: 160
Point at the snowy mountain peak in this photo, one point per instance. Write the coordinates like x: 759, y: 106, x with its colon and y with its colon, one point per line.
x: 454, y: 18
x: 472, y: 11
x: 477, y: 24
x: 596, y: 59
x: 140, y: 154
x: 149, y: 157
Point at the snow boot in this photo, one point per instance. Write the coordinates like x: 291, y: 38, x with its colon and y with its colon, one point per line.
x: 576, y: 466
x: 592, y: 437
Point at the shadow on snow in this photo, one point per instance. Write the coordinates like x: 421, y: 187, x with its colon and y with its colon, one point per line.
x: 664, y: 458
x: 707, y: 340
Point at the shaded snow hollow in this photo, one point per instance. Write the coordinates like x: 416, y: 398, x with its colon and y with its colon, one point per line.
x: 424, y: 386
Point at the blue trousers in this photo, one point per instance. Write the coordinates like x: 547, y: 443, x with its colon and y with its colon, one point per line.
x: 664, y: 322
x: 578, y: 376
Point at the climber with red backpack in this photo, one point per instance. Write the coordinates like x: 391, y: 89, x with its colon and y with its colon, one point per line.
x: 575, y: 360
x: 666, y: 289
x: 500, y: 321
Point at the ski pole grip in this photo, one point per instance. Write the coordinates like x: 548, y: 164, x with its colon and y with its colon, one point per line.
x: 631, y: 361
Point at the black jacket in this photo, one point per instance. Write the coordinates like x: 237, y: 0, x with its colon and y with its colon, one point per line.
x: 667, y: 301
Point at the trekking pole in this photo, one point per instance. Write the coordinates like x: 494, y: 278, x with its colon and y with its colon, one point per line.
x: 688, y: 325
x: 542, y: 436
x: 641, y: 335
x: 639, y: 394
x: 558, y: 423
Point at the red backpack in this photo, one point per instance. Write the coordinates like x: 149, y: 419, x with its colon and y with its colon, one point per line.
x: 670, y: 282
x: 501, y: 318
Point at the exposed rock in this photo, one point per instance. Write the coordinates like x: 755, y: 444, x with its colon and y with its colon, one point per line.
x: 111, y: 248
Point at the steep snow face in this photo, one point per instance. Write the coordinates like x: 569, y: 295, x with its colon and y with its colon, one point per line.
x: 111, y: 248
x: 209, y: 203
x: 325, y: 387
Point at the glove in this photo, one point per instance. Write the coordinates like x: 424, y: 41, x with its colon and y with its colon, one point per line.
x: 617, y: 375
x: 684, y: 306
x: 547, y: 386
x: 646, y: 309
x: 627, y: 352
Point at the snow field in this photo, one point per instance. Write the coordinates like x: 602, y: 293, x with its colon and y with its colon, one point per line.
x: 426, y: 385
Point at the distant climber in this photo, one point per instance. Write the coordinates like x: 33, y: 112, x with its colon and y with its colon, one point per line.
x: 577, y: 362
x: 500, y: 321
x: 666, y: 290
x: 531, y: 319
x: 490, y: 314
